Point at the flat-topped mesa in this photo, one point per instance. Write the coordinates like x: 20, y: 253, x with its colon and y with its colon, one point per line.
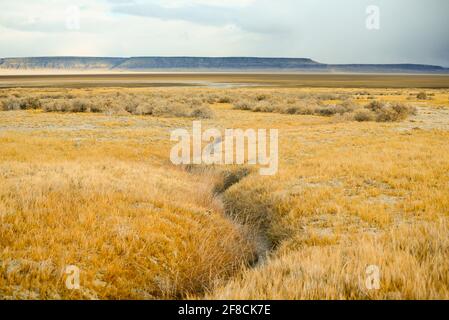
x: 81, y: 63
x: 232, y: 63
x: 207, y: 64
x: 388, y: 68
x: 149, y: 63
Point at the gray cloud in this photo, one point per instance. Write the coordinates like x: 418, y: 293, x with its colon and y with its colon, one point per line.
x: 260, y: 17
x: 411, y: 31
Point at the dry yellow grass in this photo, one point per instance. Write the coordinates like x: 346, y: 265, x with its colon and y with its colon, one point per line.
x: 383, y: 201
x: 97, y: 190
x: 133, y: 230
x: 412, y: 260
x: 105, y: 203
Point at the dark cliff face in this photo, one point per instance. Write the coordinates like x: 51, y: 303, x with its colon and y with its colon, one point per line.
x: 61, y: 63
x: 215, y: 63
x: 142, y: 63
x: 206, y: 63
x: 387, y: 68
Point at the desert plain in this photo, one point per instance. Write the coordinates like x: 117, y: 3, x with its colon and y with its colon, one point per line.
x: 86, y: 181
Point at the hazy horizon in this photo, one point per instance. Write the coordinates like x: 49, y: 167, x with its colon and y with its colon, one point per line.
x: 256, y: 57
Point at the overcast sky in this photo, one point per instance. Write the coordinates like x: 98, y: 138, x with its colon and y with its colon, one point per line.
x: 330, y: 31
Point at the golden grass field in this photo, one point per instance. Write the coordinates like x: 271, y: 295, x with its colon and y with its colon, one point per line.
x: 96, y: 189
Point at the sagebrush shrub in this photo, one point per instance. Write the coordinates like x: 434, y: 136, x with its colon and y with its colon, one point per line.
x: 243, y: 105
x: 422, y: 96
x: 11, y: 104
x: 364, y: 115
x: 225, y: 99
x: 201, y: 112
x: 375, y: 105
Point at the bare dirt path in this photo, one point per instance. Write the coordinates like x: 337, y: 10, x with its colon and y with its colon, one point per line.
x: 428, y: 118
